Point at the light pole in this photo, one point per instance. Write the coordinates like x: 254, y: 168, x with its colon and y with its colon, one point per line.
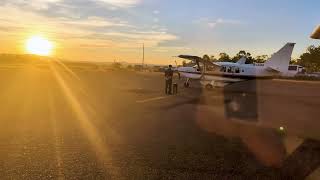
x: 143, y: 56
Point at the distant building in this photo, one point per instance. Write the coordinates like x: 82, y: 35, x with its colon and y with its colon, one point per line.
x: 138, y: 67
x: 294, y: 70
x: 158, y: 68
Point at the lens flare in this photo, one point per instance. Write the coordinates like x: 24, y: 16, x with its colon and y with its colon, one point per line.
x: 39, y: 46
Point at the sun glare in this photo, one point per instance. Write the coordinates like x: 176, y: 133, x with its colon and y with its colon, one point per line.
x: 39, y: 46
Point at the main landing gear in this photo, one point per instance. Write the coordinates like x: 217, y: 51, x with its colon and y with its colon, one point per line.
x: 209, y: 86
x: 187, y: 84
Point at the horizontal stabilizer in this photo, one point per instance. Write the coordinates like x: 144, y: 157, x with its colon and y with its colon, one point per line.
x: 316, y: 33
x: 270, y: 69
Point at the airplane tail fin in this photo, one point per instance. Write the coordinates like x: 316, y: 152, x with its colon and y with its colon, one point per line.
x: 280, y: 60
x: 242, y: 60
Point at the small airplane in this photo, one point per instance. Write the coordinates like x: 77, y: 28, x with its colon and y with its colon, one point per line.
x: 219, y: 74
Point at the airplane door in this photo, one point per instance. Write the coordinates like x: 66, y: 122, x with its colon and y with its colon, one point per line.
x: 233, y: 70
x: 229, y: 70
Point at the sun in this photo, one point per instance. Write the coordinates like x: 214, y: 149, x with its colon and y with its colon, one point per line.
x: 39, y: 45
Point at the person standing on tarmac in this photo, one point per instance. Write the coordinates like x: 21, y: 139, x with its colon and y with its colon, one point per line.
x: 168, y: 78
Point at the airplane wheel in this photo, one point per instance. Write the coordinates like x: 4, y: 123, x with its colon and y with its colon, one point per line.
x: 209, y: 86
x: 186, y: 85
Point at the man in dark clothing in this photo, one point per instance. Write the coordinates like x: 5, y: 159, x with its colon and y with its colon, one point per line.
x: 168, y: 77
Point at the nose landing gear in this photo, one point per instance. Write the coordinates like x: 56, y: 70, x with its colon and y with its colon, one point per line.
x: 209, y: 86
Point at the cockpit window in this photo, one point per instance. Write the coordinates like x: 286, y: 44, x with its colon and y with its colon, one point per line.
x: 223, y: 69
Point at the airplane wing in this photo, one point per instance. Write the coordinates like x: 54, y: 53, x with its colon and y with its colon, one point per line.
x: 195, y: 59
x: 198, y: 59
x: 316, y: 33
x: 191, y: 58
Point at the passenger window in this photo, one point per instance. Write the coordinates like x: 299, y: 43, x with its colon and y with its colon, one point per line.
x: 237, y: 70
x: 229, y: 69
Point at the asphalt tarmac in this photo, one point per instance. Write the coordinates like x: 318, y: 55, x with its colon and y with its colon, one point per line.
x: 61, y: 123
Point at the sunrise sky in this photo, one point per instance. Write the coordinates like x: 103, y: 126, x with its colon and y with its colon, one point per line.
x: 107, y: 30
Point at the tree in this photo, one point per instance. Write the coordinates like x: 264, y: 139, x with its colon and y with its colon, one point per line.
x: 184, y: 63
x: 187, y: 64
x: 209, y: 58
x: 261, y: 59
x: 243, y: 53
x: 250, y: 59
x: 130, y: 67
x: 239, y: 55
x: 206, y: 57
x: 116, y: 65
x: 294, y: 62
x: 212, y: 58
x: 311, y: 59
x: 224, y: 57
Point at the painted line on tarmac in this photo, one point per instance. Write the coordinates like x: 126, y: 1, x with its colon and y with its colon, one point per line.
x: 297, y: 81
x: 152, y: 99
x: 181, y: 95
x: 160, y: 98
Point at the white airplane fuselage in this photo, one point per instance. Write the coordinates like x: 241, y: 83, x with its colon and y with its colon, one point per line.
x: 228, y: 72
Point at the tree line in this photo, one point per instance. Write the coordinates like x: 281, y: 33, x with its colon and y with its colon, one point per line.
x: 310, y: 59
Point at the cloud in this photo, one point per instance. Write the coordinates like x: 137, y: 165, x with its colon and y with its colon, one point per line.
x: 228, y: 21
x: 156, y: 12
x: 150, y: 38
x: 85, y: 32
x: 35, y: 4
x: 171, y: 48
x: 214, y: 23
x: 156, y: 20
x: 32, y: 22
x: 92, y: 21
x: 121, y: 3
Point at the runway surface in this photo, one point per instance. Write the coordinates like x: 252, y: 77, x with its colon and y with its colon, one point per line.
x: 59, y: 123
